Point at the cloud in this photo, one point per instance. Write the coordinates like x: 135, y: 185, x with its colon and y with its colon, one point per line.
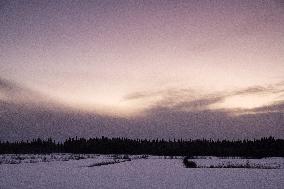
x: 138, y: 95
x: 179, y: 114
x: 170, y: 92
x: 252, y: 90
x: 190, y: 100
x: 27, y: 114
x: 278, y: 106
x: 275, y: 88
x: 187, y: 104
x: 190, y: 116
x: 8, y: 86
x: 200, y: 103
x: 173, y: 98
x: 18, y: 122
x: 14, y: 92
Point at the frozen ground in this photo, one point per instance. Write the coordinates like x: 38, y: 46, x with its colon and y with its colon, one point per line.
x: 156, y: 172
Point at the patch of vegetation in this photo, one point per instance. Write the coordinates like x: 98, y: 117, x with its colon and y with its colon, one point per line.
x: 108, y: 163
x: 126, y: 157
x: 189, y: 164
x: 245, y: 166
x: 144, y: 157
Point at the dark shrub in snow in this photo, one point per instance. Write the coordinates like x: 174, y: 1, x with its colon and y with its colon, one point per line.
x: 189, y: 164
x: 126, y: 157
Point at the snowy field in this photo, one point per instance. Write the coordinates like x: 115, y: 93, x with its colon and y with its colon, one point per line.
x: 60, y: 171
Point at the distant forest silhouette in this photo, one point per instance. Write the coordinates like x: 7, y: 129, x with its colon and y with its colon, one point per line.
x: 256, y: 148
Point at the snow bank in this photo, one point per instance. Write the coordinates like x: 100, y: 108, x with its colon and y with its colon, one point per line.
x: 154, y: 172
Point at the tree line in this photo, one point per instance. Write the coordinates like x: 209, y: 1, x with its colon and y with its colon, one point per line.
x: 264, y: 147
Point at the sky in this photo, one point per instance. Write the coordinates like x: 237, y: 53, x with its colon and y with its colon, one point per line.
x: 141, y: 69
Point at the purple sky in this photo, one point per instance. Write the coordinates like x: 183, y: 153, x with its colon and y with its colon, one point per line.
x: 188, y: 69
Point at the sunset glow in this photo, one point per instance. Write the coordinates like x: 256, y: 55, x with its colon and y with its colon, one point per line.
x: 135, y: 58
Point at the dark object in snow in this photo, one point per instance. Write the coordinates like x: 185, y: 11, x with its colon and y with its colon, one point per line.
x: 108, y: 163
x: 189, y: 164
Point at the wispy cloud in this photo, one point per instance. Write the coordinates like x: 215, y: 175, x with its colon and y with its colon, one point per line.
x: 253, y: 90
x: 16, y: 95
x: 14, y: 92
x: 170, y: 92
x: 272, y: 88
x: 180, y: 113
x: 190, y: 100
x: 8, y: 86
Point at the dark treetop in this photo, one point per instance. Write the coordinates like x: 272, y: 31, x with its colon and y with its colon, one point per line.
x: 263, y: 147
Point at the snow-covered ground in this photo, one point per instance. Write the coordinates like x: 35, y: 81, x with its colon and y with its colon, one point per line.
x: 155, y: 172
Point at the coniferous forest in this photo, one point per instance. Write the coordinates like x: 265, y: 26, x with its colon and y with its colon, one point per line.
x: 257, y: 148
